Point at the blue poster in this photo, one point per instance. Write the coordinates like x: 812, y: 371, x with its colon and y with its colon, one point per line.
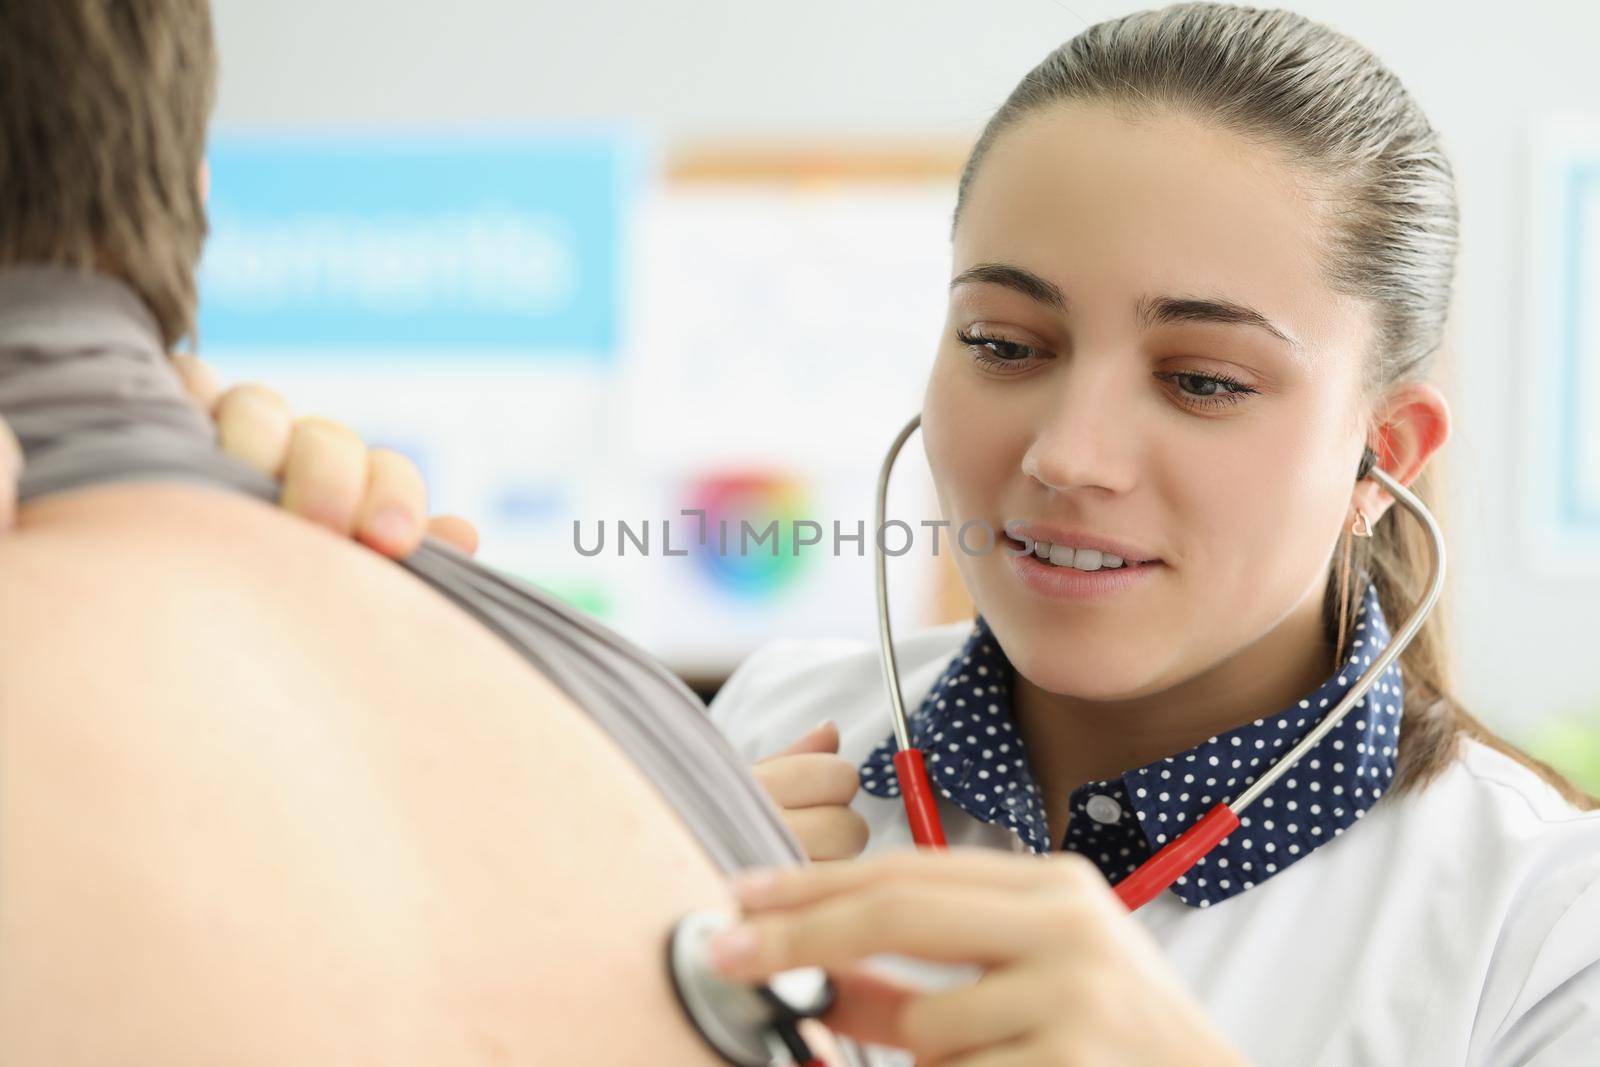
x: 511, y: 243
x: 1580, y: 397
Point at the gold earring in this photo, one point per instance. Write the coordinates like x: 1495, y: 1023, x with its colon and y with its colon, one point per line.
x: 1361, y: 527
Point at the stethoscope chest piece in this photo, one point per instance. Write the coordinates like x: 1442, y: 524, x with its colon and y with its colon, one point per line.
x: 744, y: 1024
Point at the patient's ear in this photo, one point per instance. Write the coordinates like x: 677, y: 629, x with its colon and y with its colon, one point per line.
x: 1414, y: 423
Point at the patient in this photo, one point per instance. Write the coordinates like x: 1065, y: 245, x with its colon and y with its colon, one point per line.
x: 380, y: 836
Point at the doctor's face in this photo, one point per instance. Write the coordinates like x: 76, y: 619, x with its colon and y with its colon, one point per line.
x: 1143, y: 360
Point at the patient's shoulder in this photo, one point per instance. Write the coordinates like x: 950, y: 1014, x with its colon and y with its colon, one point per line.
x: 250, y: 772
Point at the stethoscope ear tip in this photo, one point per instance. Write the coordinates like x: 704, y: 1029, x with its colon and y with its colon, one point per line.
x: 1369, y: 459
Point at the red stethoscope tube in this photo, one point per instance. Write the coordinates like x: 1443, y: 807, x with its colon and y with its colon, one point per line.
x: 1135, y: 891
x: 922, y: 808
x: 1168, y: 865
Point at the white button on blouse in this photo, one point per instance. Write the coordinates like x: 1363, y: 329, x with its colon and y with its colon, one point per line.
x: 1104, y: 809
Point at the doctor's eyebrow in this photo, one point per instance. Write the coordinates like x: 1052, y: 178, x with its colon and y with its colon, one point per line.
x: 1152, y: 310
x: 1025, y: 282
x: 1161, y: 310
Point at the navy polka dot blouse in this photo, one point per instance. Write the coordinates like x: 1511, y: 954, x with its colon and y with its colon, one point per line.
x: 976, y: 760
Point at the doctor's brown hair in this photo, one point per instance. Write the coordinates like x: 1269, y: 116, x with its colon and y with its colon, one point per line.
x: 1365, y: 147
x: 103, y: 109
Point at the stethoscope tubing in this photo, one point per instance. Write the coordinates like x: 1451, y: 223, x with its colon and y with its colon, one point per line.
x: 1180, y: 855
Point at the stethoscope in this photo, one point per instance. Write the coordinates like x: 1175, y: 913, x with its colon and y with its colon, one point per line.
x: 754, y: 1027
x: 1174, y: 859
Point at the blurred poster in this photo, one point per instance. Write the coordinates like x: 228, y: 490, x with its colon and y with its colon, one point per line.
x: 789, y: 304
x: 1561, y: 463
x: 570, y: 336
x: 457, y: 299
x: 412, y: 242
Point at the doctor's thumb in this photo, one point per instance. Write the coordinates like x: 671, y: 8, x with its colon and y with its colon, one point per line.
x: 824, y: 737
x: 10, y: 473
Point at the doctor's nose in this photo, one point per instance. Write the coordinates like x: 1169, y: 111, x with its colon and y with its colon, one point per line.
x: 1084, y: 441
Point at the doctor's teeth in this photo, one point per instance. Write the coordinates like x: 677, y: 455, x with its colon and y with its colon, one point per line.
x: 1082, y: 559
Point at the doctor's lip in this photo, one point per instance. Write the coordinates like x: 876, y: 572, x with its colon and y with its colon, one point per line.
x: 1061, y: 535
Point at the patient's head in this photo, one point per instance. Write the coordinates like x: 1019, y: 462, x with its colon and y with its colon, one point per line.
x: 103, y: 108
x: 1203, y: 259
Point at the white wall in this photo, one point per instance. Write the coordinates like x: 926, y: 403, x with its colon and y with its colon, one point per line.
x: 935, y: 68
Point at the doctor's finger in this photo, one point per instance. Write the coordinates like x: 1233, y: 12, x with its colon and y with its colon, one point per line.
x: 808, y: 780
x: 1005, y: 1005
x: 10, y: 474
x: 454, y: 530
x: 325, y: 475
x: 832, y: 833
x: 254, y: 426
x: 390, y: 519
x: 1063, y: 874
x: 1024, y: 1053
x: 199, y: 379
x: 823, y: 737
x: 867, y: 1006
x: 947, y: 924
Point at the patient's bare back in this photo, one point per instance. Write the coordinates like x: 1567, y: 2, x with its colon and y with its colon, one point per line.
x: 266, y: 798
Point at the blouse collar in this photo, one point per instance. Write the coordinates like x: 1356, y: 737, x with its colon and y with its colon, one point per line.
x: 976, y: 759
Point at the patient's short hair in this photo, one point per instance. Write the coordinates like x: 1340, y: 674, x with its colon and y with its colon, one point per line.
x: 103, y: 109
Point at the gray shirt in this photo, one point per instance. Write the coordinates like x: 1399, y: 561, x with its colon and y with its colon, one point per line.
x: 89, y: 392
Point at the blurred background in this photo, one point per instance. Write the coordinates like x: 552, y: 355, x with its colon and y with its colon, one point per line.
x: 612, y: 262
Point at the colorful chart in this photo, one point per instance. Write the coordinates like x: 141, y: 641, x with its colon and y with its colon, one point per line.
x: 750, y: 546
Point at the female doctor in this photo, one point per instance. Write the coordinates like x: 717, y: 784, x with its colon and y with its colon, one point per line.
x: 1202, y: 261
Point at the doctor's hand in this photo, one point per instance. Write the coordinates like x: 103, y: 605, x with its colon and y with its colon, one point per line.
x: 329, y: 475
x: 1069, y: 976
x: 10, y: 472
x: 812, y: 785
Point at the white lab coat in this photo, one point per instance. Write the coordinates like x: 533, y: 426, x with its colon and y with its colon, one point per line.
x: 1456, y: 926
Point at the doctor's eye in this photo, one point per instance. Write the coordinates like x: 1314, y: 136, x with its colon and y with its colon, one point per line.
x: 1207, y: 390
x: 996, y: 352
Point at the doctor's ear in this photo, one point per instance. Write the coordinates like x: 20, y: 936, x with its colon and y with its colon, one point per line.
x: 1413, y: 424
